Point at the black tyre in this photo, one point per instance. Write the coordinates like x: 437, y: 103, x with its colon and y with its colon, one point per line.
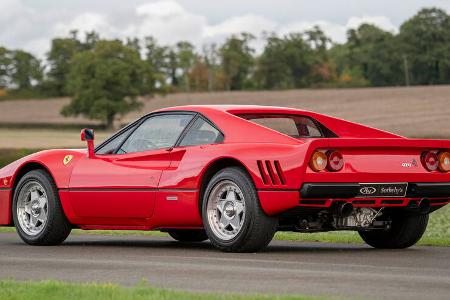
x: 406, y: 231
x: 37, y: 211
x: 188, y: 235
x: 232, y: 215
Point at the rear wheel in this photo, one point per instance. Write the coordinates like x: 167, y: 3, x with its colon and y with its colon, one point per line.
x: 406, y: 231
x: 188, y: 235
x: 37, y: 211
x: 232, y: 215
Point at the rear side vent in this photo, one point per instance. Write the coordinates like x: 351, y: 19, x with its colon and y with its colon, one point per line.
x: 271, y: 174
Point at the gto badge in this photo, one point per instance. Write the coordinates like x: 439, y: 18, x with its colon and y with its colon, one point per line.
x: 409, y: 165
x: 67, y: 159
x: 368, y: 190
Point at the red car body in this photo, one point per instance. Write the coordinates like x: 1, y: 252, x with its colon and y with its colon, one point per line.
x: 162, y: 189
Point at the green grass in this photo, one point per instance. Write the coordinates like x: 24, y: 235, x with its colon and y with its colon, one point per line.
x: 7, y: 156
x: 49, y: 290
x: 437, y: 234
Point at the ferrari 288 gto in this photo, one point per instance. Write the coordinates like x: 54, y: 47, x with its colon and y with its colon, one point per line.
x: 234, y: 175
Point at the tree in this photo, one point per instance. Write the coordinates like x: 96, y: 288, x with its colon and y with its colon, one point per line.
x: 425, y: 41
x: 273, y: 67
x: 157, y: 63
x: 105, y: 82
x: 237, y: 60
x: 59, y: 59
x: 26, y: 70
x: 186, y: 58
x: 300, y: 58
x: 375, y: 53
x: 5, y: 67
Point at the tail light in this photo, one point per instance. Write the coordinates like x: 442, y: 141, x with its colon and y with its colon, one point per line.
x: 430, y: 161
x: 332, y: 161
x: 444, y: 161
x: 318, y: 161
x: 335, y: 161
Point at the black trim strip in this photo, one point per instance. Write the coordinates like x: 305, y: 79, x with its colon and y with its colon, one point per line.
x: 126, y: 189
x: 428, y: 189
x: 276, y: 190
x: 5, y: 189
x: 329, y: 190
x: 351, y: 190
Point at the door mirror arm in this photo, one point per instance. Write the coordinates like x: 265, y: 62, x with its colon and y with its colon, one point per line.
x: 87, y: 135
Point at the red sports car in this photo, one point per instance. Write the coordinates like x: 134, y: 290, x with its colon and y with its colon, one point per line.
x: 233, y: 175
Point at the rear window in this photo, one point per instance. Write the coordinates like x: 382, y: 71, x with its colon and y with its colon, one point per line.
x: 292, y: 125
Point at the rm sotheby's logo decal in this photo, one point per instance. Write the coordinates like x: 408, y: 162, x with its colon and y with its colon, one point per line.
x: 368, y: 190
x: 67, y: 159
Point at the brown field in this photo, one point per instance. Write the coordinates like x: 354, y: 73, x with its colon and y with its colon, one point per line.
x: 412, y: 112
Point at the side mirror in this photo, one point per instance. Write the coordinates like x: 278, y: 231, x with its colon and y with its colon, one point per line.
x: 87, y: 135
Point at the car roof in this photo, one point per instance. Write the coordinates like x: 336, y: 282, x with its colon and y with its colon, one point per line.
x: 233, y: 108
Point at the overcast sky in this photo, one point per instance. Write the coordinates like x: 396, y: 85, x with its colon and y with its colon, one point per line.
x: 30, y: 24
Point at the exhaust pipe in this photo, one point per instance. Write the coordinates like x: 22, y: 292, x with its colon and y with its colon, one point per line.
x: 343, y: 210
x: 424, y: 206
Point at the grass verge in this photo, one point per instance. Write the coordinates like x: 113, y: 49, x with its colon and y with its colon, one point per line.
x: 49, y: 290
x: 437, y: 234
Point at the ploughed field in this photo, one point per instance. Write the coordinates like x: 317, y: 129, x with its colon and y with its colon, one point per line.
x: 413, y: 112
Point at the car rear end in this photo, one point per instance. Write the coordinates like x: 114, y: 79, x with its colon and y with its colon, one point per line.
x: 376, y: 173
x: 371, y: 185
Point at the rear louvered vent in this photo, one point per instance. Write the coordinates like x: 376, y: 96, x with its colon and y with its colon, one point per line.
x: 271, y: 173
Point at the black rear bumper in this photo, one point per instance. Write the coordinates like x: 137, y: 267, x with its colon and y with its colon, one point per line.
x: 352, y: 190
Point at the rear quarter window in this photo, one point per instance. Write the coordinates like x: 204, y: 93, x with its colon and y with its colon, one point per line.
x: 292, y: 125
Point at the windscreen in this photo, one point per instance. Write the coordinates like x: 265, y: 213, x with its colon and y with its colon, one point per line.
x: 292, y: 125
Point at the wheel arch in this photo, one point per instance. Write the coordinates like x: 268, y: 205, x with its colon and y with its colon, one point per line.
x: 213, y: 168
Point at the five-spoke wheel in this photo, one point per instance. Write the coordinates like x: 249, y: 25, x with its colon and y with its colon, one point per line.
x: 32, y: 208
x: 37, y: 211
x: 233, y: 218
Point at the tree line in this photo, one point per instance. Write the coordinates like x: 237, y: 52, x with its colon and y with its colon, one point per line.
x: 105, y: 77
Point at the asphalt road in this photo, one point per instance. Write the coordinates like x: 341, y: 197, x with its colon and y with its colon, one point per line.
x: 355, y: 271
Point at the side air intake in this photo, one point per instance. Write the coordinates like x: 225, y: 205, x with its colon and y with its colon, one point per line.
x: 271, y: 173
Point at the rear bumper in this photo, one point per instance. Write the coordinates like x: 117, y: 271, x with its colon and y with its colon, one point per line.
x: 351, y: 190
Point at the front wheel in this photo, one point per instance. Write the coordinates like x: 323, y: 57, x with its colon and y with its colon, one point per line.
x: 37, y: 211
x: 232, y: 215
x: 405, y: 231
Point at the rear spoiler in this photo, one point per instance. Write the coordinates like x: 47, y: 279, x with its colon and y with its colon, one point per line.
x: 379, y: 143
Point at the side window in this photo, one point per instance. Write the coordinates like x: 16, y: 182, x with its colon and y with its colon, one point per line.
x: 156, y: 132
x: 112, y: 145
x: 307, y: 128
x: 201, y: 133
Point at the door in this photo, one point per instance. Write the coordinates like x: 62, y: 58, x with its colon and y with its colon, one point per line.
x: 122, y: 183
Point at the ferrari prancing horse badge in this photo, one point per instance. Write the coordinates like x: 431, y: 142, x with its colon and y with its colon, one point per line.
x: 67, y: 159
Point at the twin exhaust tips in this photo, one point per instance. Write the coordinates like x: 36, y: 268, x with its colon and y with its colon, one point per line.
x: 345, y: 209
x: 342, y: 209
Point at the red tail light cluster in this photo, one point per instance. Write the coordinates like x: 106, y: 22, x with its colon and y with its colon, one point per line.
x: 331, y: 160
x: 435, y: 160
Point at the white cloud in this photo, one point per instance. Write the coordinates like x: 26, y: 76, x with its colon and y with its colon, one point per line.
x: 167, y: 20
x: 380, y: 21
x: 248, y: 23
x: 86, y: 22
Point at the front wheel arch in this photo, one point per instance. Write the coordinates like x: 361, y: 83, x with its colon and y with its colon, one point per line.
x: 20, y: 172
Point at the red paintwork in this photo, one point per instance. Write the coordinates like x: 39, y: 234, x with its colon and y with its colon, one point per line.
x: 131, y: 191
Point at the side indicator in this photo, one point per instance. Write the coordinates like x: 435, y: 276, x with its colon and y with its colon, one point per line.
x: 5, y: 181
x: 67, y: 159
x: 171, y: 198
